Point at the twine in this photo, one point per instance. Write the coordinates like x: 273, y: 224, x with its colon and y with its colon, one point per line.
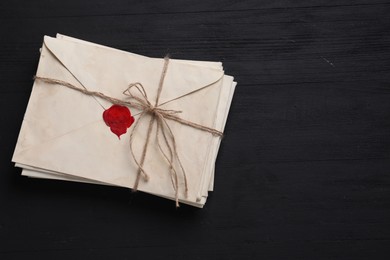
x: 164, y: 135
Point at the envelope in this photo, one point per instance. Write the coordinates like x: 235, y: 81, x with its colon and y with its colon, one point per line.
x: 63, y: 135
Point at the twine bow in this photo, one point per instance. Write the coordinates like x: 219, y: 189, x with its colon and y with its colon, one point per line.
x: 165, y: 138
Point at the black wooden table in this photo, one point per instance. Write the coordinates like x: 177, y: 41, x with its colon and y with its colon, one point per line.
x: 303, y: 170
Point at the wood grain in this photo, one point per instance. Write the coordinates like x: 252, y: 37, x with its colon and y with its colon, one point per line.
x: 303, y: 170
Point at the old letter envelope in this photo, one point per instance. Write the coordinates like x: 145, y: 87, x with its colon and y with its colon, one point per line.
x: 63, y: 135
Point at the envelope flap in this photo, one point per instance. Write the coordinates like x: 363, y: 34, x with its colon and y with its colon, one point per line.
x: 183, y: 79
x: 110, y: 71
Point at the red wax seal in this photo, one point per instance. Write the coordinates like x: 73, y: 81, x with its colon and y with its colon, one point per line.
x: 118, y: 118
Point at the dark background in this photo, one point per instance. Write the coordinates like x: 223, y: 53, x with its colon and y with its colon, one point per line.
x: 303, y: 170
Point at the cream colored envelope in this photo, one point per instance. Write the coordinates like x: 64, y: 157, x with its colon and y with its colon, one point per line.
x: 223, y: 108
x: 63, y: 131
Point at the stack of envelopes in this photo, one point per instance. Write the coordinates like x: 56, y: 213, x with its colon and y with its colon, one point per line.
x: 64, y: 137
